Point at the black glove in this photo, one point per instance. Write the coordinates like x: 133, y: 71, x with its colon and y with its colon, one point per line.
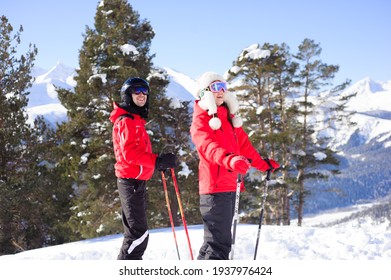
x: 165, y: 161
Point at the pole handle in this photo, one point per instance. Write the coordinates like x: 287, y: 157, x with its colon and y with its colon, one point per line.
x: 268, y: 174
x: 269, y: 171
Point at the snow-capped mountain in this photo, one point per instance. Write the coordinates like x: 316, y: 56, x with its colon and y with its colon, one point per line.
x: 181, y: 86
x: 43, y: 98
x: 43, y: 91
x: 364, y: 149
x: 372, y: 105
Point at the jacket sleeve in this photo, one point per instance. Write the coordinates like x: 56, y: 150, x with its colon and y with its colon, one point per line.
x: 132, y: 150
x: 205, y: 140
x: 248, y: 150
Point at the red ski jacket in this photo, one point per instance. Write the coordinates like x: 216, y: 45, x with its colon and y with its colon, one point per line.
x: 132, y: 146
x: 214, y: 145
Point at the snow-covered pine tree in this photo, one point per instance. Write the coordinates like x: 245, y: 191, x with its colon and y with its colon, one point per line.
x: 279, y: 104
x: 262, y: 77
x: 117, y: 48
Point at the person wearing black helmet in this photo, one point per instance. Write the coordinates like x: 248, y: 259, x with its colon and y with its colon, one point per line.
x: 135, y: 164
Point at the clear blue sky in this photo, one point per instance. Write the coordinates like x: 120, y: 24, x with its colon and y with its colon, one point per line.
x: 207, y: 35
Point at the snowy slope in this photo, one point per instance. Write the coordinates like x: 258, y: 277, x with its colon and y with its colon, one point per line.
x: 358, y: 238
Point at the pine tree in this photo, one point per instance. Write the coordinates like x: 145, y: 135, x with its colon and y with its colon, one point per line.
x: 178, y: 141
x: 279, y: 109
x: 34, y: 202
x: 250, y: 72
x: 314, y: 158
x: 188, y: 169
x: 15, y: 79
x: 44, y: 198
x: 117, y: 48
x: 282, y: 137
x: 264, y: 76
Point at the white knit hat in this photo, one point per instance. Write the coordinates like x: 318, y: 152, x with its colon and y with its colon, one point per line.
x: 208, y: 103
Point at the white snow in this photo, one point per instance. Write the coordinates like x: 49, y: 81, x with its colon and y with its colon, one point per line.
x: 59, y: 72
x: 127, y: 49
x: 320, y: 156
x: 84, y: 158
x: 97, y: 76
x: 254, y: 52
x: 180, y: 86
x: 54, y: 112
x: 358, y: 239
x: 341, y: 250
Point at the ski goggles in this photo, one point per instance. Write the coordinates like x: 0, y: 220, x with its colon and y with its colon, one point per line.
x: 139, y: 90
x: 218, y: 86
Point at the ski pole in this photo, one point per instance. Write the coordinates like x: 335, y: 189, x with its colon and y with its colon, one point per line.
x: 236, y: 214
x: 169, y: 212
x: 181, y: 210
x: 262, y: 210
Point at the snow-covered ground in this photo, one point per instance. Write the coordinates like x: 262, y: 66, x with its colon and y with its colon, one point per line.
x: 357, y: 239
x: 361, y: 243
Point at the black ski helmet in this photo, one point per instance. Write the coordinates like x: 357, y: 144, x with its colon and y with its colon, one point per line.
x: 130, y: 83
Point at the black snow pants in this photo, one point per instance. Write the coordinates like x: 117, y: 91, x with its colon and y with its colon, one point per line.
x: 132, y: 194
x: 217, y: 212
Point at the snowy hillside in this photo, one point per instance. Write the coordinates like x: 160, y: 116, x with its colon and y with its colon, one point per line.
x: 352, y: 233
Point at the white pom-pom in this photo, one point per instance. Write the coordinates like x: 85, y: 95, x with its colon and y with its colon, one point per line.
x: 215, y: 123
x: 237, y: 121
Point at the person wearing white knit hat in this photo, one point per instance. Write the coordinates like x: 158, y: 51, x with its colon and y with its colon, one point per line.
x: 225, y: 151
x: 210, y: 99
